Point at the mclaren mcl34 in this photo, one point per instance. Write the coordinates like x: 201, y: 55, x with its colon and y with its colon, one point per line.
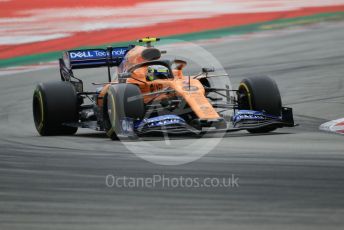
x: 151, y: 94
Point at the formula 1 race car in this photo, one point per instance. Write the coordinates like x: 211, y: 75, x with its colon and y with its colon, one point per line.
x: 151, y: 94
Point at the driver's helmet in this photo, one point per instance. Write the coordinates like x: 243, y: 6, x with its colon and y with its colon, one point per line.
x: 157, y: 72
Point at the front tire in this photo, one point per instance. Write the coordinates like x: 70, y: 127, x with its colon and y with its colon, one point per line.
x: 260, y: 94
x: 121, y: 101
x: 53, y: 105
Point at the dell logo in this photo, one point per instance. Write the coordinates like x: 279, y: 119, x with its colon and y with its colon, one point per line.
x: 80, y: 54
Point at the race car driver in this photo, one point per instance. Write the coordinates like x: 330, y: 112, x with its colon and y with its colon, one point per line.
x: 157, y: 72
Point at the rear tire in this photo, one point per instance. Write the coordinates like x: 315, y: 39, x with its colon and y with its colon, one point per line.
x: 260, y: 94
x: 121, y: 101
x: 55, y: 103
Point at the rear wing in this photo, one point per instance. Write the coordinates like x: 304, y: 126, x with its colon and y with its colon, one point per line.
x: 89, y: 58
x: 93, y: 58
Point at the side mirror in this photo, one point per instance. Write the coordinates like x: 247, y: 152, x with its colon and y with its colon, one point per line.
x: 208, y: 70
x: 180, y: 64
x: 124, y: 75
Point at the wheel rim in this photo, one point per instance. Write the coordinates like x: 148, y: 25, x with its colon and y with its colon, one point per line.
x: 244, y: 97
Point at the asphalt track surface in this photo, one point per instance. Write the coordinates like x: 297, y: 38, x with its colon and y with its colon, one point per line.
x: 290, y: 179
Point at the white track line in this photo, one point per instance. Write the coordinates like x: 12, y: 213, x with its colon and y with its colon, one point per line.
x: 27, y: 68
x: 47, y: 24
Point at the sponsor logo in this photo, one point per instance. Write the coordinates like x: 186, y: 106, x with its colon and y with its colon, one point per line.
x: 246, y: 115
x: 100, y: 53
x: 87, y: 54
x: 119, y: 52
x: 156, y: 87
x: 127, y: 126
x: 159, y: 121
x: 80, y: 54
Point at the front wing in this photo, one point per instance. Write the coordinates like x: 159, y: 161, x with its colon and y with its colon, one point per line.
x: 173, y: 124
